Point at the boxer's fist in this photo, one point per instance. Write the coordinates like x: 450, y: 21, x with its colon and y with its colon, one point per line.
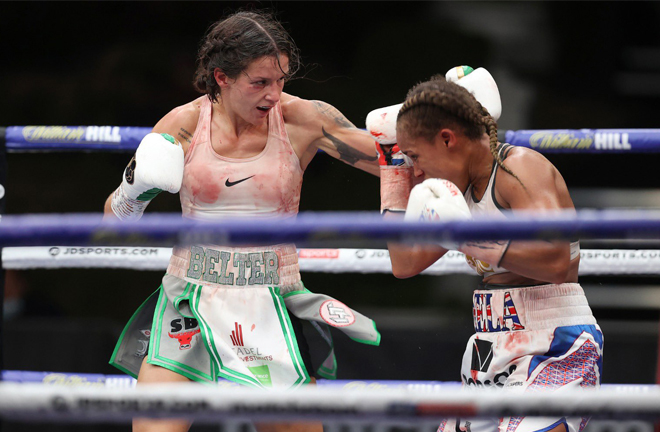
x: 481, y: 84
x: 157, y: 166
x: 437, y: 200
x: 381, y: 123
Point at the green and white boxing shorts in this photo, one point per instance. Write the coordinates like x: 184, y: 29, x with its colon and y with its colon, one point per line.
x: 224, y: 312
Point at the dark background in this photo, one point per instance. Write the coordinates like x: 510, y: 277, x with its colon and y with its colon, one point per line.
x: 558, y: 65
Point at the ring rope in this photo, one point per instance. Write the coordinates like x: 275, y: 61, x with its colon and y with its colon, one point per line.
x: 331, y: 229
x: 127, y: 139
x: 206, y: 403
x: 600, y: 262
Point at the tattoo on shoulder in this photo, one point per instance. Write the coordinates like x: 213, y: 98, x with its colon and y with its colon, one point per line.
x: 346, y: 152
x: 185, y: 135
x: 333, y: 113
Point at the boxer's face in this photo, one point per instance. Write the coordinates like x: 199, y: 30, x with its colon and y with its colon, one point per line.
x: 425, y: 155
x: 257, y: 89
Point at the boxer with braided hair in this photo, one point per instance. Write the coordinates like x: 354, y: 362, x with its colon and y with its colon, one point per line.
x: 534, y: 329
x: 443, y: 102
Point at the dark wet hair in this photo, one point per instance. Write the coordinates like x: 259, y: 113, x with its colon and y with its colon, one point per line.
x: 231, y: 44
x: 437, y: 103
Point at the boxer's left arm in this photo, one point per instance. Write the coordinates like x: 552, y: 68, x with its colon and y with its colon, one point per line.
x: 432, y: 200
x: 322, y: 126
x: 544, y: 190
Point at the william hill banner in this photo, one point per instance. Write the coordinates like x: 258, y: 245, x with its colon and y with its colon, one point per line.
x: 587, y: 140
x: 54, y: 138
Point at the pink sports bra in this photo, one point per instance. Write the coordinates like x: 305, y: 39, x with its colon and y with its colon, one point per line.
x: 265, y: 185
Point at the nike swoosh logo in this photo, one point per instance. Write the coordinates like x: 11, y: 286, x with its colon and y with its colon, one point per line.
x: 230, y: 184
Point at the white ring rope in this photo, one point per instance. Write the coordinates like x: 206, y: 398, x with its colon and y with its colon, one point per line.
x: 592, y: 261
x: 22, y: 401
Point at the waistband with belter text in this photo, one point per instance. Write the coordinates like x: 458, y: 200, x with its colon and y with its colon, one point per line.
x: 236, y: 266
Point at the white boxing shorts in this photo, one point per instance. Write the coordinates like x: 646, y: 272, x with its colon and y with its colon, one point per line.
x: 530, y: 339
x: 225, y: 312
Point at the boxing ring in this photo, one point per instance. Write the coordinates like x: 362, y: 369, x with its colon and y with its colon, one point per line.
x: 335, y: 243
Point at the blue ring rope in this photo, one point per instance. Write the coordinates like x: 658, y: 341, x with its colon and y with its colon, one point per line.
x: 127, y: 138
x: 320, y: 229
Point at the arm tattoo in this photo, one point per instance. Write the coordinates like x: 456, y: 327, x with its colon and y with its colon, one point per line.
x: 187, y: 136
x: 332, y: 113
x: 346, y: 152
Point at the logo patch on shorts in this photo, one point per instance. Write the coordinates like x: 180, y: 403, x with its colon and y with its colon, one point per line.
x: 482, y: 355
x: 336, y: 313
x: 183, y: 330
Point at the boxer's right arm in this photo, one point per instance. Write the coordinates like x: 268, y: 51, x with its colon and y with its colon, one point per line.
x: 179, y: 123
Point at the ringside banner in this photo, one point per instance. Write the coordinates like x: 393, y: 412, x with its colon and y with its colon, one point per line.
x: 587, y: 140
x: 113, y: 138
x: 127, y: 138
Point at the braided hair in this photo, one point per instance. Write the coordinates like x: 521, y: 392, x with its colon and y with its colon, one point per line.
x: 436, y: 103
x: 233, y: 43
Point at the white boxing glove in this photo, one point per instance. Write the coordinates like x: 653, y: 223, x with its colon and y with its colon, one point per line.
x: 157, y: 166
x: 437, y: 200
x: 481, y: 84
x: 381, y: 123
x: 396, y: 171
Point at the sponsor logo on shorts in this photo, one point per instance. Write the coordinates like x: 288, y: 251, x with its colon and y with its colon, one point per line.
x: 183, y: 330
x: 319, y: 253
x: 247, y: 354
x: 336, y: 313
x: 262, y: 374
x: 143, y: 344
x: 237, y: 335
x: 498, y: 380
x: 482, y: 355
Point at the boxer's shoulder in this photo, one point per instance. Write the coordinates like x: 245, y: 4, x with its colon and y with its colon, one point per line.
x: 298, y: 111
x: 181, y: 121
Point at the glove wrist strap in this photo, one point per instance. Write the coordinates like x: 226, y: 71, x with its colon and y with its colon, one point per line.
x: 126, y: 208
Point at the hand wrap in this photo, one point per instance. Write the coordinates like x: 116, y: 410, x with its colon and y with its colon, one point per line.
x: 396, y: 171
